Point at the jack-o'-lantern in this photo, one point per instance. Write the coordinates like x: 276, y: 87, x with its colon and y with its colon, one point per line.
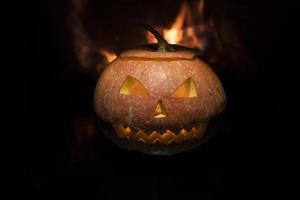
x: 158, y: 98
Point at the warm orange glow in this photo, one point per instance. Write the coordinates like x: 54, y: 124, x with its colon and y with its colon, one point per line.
x: 109, y: 56
x: 174, y: 35
x: 166, y: 138
x: 150, y: 38
x: 186, y: 89
x: 132, y: 86
x: 160, y: 111
x: 183, y: 31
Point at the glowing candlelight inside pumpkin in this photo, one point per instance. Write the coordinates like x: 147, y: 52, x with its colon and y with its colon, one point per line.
x: 132, y: 92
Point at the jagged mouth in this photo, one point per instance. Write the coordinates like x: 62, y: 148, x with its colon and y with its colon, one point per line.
x: 166, y: 137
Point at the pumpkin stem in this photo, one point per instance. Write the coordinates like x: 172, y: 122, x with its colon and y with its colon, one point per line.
x: 163, y: 45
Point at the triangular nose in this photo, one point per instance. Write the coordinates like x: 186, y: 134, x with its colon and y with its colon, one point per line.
x: 160, y: 110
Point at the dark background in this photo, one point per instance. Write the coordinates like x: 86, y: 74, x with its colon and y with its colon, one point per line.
x: 244, y: 160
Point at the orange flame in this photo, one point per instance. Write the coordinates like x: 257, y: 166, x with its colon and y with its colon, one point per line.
x: 183, y: 31
x: 109, y: 56
x: 150, y: 38
x: 174, y: 35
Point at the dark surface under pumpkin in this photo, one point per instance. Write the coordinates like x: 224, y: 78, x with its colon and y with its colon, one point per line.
x: 167, y: 102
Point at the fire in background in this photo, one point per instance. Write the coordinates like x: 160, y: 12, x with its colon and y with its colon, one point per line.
x: 99, y: 35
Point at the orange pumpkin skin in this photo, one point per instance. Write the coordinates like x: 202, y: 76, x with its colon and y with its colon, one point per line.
x: 183, y: 123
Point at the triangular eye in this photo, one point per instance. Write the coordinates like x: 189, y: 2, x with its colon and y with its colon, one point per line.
x: 132, y: 86
x: 186, y: 89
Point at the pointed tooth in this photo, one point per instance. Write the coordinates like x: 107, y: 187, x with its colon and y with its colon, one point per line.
x: 179, y: 138
x: 187, y: 135
x: 184, y: 132
x: 154, y: 137
x: 127, y: 132
x: 144, y: 136
x: 127, y: 129
x: 167, y: 137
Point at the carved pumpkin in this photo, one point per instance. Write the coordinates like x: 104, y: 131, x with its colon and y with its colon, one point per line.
x: 158, y: 102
